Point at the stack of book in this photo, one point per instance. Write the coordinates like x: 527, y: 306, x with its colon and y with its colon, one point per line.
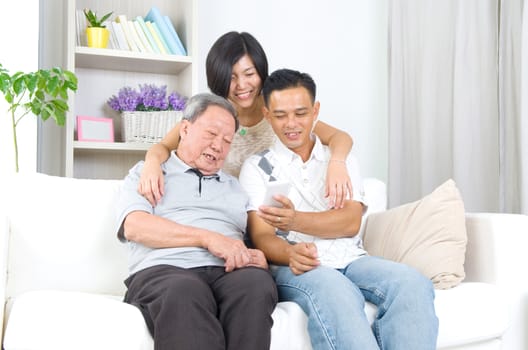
x: 154, y: 33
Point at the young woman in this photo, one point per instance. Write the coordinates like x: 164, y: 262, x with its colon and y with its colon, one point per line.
x: 236, y: 67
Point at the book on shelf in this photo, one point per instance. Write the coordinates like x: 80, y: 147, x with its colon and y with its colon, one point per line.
x: 122, y: 43
x: 155, y: 16
x: 141, y: 22
x: 157, y: 36
x: 142, y: 37
x: 112, y: 43
x: 81, y: 28
x: 135, y: 36
x: 122, y: 19
x: 174, y: 33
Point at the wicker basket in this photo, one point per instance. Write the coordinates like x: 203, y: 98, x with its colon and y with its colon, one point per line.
x: 148, y: 127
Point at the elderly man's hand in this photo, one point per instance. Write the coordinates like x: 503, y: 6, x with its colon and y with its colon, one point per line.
x: 233, y: 251
x: 257, y: 259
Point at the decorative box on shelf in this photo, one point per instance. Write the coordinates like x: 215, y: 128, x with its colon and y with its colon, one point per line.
x: 148, y: 127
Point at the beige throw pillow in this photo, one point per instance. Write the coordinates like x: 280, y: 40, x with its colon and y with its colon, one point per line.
x: 429, y: 235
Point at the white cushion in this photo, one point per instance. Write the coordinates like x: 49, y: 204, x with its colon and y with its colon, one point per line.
x: 289, y: 328
x: 63, y: 235
x: 376, y: 195
x: 57, y: 320
x: 470, y: 312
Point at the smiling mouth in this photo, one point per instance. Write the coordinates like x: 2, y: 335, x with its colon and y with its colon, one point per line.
x: 243, y: 95
x: 210, y: 157
x: 292, y: 134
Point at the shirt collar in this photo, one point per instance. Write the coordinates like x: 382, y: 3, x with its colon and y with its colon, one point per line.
x: 288, y: 156
x: 175, y: 164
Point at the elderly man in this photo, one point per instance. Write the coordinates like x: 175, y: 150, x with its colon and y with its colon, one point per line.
x: 196, y: 283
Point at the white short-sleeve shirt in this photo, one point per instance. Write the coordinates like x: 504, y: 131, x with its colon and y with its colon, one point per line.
x: 307, y: 193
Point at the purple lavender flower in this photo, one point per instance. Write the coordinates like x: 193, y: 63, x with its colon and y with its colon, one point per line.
x: 149, y: 98
x: 126, y: 100
x: 177, y: 102
x: 153, y: 98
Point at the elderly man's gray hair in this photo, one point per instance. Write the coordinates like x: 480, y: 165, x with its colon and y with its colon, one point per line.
x: 197, y: 105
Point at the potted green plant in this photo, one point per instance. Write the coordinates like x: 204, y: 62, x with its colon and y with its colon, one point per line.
x: 96, y: 33
x: 43, y: 93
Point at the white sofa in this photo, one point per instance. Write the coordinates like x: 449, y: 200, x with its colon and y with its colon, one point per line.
x: 63, y: 270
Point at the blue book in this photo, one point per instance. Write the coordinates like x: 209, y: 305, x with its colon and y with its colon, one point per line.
x: 162, y: 39
x: 155, y: 16
x: 151, y: 40
x: 175, y: 35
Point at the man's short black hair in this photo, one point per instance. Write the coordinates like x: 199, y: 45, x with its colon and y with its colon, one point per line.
x: 282, y: 79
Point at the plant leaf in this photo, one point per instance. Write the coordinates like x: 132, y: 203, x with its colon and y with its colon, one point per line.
x: 18, y: 85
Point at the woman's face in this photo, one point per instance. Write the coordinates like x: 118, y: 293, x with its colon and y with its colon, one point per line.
x: 245, y: 83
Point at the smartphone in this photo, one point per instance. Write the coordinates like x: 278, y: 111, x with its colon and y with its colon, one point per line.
x: 274, y: 188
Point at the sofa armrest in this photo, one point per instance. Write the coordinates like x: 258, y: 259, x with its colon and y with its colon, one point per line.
x: 497, y: 253
x: 497, y: 249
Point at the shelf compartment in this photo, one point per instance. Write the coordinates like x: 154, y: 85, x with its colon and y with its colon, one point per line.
x: 120, y: 60
x: 111, y: 146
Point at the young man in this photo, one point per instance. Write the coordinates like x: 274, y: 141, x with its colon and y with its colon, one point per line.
x: 191, y: 276
x: 316, y: 255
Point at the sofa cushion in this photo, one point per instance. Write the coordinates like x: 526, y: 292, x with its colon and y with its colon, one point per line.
x: 472, y: 312
x: 289, y: 329
x: 58, y: 320
x: 428, y: 234
x: 64, y: 225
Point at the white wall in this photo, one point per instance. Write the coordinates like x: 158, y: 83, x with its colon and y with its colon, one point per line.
x: 19, y: 53
x: 341, y: 43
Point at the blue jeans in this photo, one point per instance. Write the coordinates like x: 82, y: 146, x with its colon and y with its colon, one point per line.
x: 334, y: 301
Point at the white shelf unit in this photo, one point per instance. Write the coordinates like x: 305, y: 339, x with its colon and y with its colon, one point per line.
x: 102, y: 72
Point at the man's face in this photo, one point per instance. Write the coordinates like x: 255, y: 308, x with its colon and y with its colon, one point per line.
x: 292, y: 115
x: 205, y: 143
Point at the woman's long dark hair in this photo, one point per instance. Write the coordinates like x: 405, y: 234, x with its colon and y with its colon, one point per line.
x: 225, y: 52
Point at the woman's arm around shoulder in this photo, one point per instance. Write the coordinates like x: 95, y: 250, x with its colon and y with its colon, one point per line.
x: 338, y: 184
x: 151, y: 179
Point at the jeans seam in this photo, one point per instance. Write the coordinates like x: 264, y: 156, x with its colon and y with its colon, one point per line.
x: 316, y: 308
x: 378, y: 293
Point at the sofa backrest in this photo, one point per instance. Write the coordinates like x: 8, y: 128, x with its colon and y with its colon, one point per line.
x: 61, y: 235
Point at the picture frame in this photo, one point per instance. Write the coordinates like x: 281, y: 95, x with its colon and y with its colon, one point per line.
x: 95, y: 129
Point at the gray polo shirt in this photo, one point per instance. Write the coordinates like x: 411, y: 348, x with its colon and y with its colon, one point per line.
x: 217, y: 203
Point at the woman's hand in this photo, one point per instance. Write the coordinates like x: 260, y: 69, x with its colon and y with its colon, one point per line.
x: 151, y: 179
x: 338, y: 184
x: 151, y: 182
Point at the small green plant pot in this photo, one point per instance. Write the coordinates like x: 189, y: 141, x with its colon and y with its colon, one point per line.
x: 97, y: 37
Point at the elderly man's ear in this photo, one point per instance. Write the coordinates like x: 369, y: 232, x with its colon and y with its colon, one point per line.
x: 184, y: 128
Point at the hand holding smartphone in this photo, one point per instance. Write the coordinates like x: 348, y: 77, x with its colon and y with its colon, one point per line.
x: 275, y: 188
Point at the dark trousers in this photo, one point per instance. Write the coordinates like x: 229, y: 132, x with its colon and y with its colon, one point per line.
x: 205, y: 307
